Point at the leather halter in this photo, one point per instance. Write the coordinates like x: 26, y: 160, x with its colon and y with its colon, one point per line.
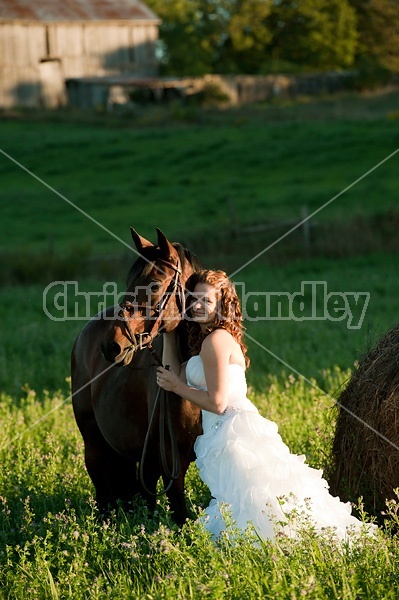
x: 139, y: 341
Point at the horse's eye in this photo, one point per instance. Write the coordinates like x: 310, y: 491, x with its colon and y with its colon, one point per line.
x: 156, y: 286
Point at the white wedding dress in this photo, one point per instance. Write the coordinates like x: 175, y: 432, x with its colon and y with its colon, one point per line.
x: 254, y: 478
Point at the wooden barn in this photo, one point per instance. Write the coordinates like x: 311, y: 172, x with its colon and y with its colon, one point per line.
x: 45, y: 42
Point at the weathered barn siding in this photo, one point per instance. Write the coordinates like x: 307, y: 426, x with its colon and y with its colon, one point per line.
x: 104, y: 49
x: 22, y: 46
x: 75, y: 47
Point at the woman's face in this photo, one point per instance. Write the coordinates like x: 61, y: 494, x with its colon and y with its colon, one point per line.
x: 204, y: 303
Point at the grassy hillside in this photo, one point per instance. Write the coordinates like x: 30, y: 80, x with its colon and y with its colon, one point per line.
x: 192, y: 174
x: 196, y: 175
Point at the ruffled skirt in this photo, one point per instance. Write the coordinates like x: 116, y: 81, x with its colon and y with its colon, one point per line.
x: 255, y: 480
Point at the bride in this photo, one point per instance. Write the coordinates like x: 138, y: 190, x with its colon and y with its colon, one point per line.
x: 251, y: 474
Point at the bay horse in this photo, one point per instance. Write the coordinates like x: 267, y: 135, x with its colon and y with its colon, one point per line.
x: 114, y: 382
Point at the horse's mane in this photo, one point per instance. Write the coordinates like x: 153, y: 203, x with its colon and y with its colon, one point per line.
x: 187, y: 255
x: 142, y: 267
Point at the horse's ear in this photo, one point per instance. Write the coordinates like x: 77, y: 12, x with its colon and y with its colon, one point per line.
x: 165, y: 245
x: 140, y: 242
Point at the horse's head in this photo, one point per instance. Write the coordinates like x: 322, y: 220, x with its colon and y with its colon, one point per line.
x: 154, y: 300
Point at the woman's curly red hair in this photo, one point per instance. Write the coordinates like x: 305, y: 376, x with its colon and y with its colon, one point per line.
x: 228, y: 315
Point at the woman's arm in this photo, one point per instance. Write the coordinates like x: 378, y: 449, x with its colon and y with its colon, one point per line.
x: 215, y: 354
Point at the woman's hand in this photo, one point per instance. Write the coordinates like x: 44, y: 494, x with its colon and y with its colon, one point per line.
x: 167, y: 380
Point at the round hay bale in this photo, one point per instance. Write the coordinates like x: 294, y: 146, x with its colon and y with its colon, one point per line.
x: 365, y: 454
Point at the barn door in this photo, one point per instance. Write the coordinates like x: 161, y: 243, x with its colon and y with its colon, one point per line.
x: 52, y: 84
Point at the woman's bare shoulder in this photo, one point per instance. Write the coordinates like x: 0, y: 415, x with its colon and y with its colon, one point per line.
x: 217, y: 338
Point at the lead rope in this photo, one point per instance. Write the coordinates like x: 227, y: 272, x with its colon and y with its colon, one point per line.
x: 165, y: 420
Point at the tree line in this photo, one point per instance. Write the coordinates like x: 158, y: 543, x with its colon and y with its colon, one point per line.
x: 266, y: 36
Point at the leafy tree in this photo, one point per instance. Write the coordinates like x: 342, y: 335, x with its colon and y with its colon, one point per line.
x: 191, y: 34
x: 378, y: 30
x: 318, y: 34
x: 205, y: 36
x: 248, y: 36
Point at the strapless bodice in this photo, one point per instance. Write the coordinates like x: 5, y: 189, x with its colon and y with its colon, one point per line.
x: 237, y: 392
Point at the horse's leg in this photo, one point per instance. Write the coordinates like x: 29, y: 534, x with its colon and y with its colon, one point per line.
x: 151, y: 474
x: 176, y: 495
x: 113, y: 476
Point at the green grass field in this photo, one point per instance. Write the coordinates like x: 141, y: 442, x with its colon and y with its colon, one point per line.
x: 185, y: 171
x: 185, y: 177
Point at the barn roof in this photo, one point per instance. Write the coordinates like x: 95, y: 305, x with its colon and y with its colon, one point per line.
x: 75, y: 10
